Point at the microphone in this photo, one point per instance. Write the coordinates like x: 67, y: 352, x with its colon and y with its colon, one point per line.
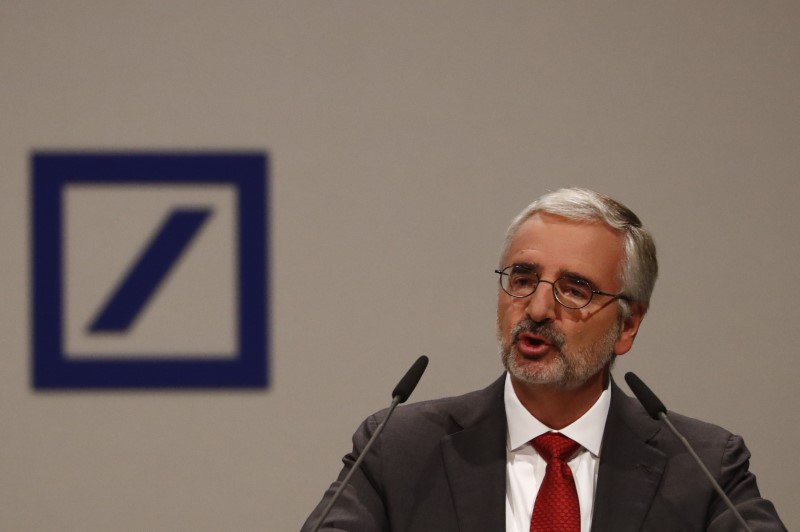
x: 410, y: 380
x: 400, y: 394
x: 656, y: 409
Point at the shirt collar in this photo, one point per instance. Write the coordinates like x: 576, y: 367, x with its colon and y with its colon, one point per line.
x: 587, y: 430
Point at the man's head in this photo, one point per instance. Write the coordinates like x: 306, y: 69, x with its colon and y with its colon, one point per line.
x: 593, y: 248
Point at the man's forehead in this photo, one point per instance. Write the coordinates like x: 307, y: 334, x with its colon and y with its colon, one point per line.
x: 590, y: 246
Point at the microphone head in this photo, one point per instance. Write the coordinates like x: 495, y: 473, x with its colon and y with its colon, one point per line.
x: 410, y: 379
x: 645, y: 395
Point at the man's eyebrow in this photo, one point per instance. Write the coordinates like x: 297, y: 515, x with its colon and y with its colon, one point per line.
x: 529, y: 266
x: 577, y: 277
x: 533, y: 267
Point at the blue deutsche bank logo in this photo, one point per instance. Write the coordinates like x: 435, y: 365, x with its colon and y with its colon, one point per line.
x: 149, y: 270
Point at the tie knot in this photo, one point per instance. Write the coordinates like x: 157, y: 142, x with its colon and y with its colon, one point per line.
x: 554, y: 445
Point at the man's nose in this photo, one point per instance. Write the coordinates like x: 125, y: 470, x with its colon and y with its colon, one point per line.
x: 541, y: 303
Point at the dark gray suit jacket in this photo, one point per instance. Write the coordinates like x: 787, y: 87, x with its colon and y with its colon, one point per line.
x: 440, y: 466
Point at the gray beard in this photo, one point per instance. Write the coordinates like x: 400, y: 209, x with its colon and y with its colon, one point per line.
x: 570, y: 369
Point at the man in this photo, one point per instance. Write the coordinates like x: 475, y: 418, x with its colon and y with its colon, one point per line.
x: 553, y: 445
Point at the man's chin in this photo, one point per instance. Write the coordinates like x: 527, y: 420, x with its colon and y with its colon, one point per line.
x: 540, y: 371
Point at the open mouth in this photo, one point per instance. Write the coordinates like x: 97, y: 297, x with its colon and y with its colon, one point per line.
x: 534, y: 340
x: 532, y: 345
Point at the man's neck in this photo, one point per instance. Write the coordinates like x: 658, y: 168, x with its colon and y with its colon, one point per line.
x: 557, y: 407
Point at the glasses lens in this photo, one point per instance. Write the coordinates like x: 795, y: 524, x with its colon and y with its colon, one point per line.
x: 519, y: 282
x: 573, y: 293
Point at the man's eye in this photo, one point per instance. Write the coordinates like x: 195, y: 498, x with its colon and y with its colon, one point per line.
x: 521, y: 280
x: 574, y: 289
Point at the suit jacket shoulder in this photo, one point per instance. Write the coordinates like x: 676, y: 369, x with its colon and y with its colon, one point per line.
x: 649, y: 481
x: 438, y: 465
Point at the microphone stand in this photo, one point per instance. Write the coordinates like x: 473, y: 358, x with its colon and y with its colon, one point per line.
x: 399, y: 395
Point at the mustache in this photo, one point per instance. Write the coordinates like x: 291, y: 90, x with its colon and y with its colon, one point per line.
x: 547, y: 331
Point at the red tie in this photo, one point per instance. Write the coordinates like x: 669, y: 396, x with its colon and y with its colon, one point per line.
x: 556, y: 508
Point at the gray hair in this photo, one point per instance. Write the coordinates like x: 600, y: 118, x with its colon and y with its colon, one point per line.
x: 639, y: 269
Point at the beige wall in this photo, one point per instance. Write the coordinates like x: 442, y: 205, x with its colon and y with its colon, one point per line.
x: 404, y: 136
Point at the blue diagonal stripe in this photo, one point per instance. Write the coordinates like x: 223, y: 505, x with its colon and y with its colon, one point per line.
x: 150, y: 270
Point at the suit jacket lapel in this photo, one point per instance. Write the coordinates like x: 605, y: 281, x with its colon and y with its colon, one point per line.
x: 630, y: 469
x: 475, y: 463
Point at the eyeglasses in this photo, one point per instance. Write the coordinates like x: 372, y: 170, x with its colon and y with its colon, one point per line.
x: 520, y: 281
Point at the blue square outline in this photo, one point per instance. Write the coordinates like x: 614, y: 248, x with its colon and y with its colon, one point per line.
x: 51, y: 172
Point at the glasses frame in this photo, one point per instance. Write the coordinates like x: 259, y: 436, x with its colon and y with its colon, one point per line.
x: 506, y: 271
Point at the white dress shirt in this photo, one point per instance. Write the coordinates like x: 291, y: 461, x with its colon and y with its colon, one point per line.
x: 525, y: 468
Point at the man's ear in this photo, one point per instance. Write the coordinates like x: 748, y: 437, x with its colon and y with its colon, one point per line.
x: 629, y: 328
